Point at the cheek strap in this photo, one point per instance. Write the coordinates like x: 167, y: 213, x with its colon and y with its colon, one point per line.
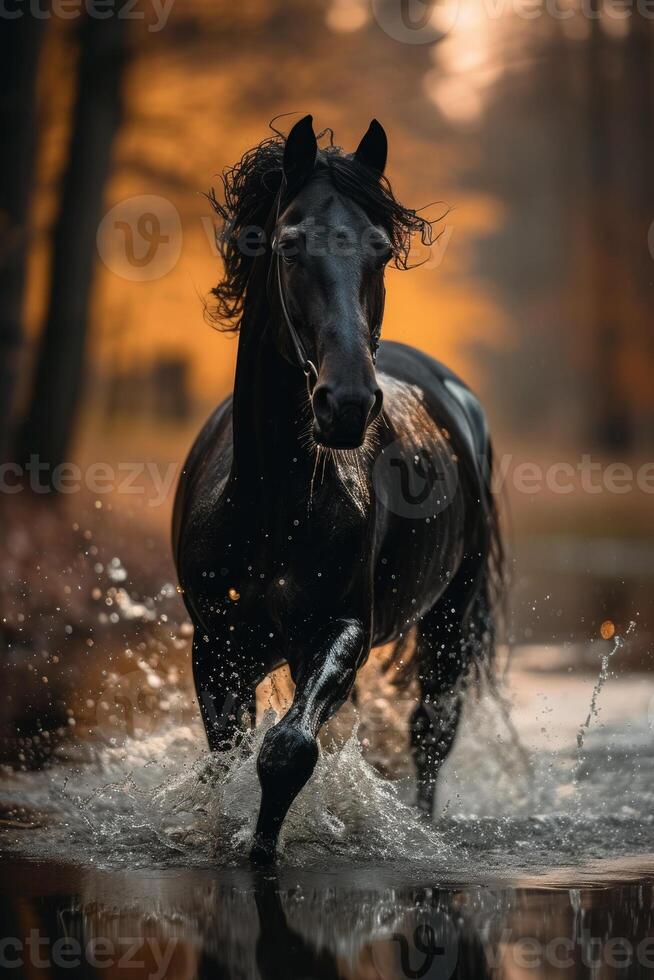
x: 307, y: 365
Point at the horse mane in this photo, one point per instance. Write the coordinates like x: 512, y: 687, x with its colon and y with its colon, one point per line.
x: 250, y: 191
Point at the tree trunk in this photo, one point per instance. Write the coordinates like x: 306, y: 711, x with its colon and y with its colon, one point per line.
x: 57, y: 385
x: 19, y: 52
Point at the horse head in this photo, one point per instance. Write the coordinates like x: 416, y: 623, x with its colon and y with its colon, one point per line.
x: 329, y: 259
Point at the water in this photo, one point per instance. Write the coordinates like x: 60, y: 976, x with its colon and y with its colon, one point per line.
x: 560, y: 784
x: 540, y: 860
x: 241, y: 923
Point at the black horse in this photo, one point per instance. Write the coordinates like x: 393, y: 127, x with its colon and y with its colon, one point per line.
x: 339, y: 498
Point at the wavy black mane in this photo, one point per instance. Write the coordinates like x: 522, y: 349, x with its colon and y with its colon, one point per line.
x: 250, y: 190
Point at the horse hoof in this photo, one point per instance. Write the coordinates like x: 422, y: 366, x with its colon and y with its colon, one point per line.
x: 263, y: 852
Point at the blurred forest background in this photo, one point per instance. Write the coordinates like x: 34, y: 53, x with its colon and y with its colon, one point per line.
x: 535, y: 130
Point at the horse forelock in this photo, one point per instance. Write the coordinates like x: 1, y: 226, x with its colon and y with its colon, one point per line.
x: 250, y: 197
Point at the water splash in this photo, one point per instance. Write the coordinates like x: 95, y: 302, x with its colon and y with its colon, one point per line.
x: 159, y: 799
x: 618, y: 644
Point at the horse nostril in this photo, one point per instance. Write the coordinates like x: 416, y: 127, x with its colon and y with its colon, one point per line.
x: 377, y: 405
x: 323, y: 404
x: 342, y: 415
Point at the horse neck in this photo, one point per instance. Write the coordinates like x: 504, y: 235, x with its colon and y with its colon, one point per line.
x: 268, y: 402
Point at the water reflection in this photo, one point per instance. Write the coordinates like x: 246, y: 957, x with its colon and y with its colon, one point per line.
x: 243, y: 923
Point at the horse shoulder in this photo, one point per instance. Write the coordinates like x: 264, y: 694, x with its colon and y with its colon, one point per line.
x: 201, y: 488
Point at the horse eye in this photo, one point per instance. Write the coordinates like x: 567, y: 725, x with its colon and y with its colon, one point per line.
x: 287, y: 248
x: 382, y: 252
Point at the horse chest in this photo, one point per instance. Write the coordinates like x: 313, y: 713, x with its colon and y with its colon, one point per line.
x: 251, y: 573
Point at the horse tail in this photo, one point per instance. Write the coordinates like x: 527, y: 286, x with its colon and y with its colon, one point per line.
x: 485, y: 618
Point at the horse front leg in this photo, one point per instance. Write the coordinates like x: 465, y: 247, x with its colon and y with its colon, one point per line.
x: 324, y: 673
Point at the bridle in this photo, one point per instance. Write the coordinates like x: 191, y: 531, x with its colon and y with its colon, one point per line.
x: 305, y: 363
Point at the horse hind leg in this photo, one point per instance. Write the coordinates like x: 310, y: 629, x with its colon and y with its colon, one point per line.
x: 456, y: 635
x: 442, y: 661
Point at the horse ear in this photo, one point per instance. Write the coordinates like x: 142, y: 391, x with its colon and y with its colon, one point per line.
x: 300, y: 152
x: 373, y: 148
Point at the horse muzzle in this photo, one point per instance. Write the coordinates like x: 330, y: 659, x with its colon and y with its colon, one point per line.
x: 342, y: 423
